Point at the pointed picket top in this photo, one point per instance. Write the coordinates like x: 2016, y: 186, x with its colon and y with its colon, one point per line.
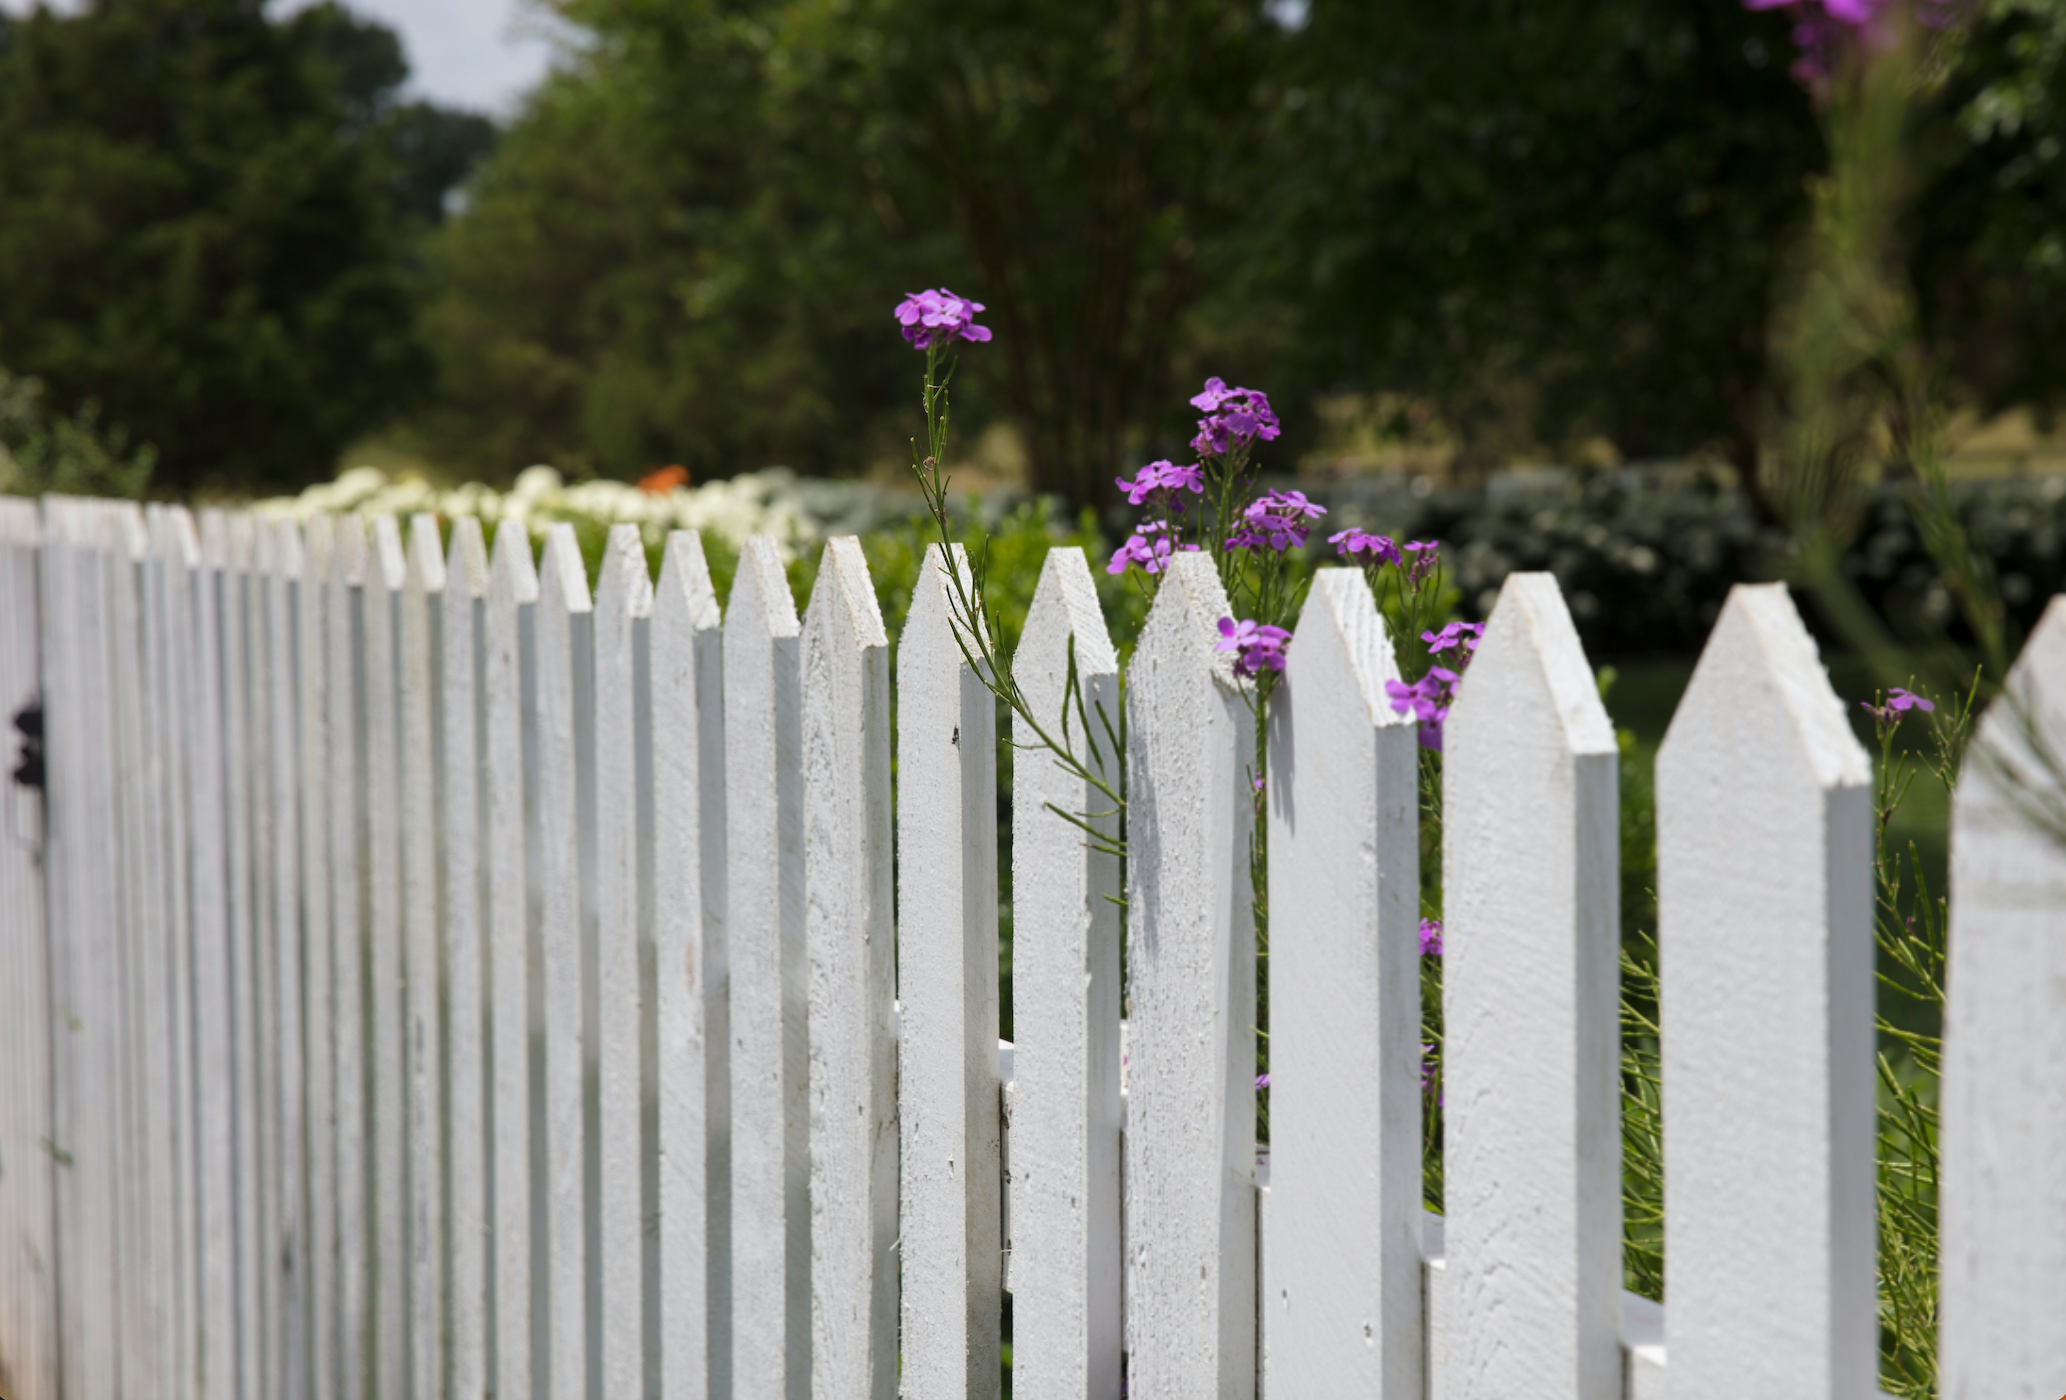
x: 693, y: 994
x: 947, y: 1060
x: 127, y: 534
x: 851, y: 936
x: 512, y: 572
x: 1764, y: 830
x: 1531, y: 1170
x: 1344, y: 1012
x: 424, y: 567
x: 685, y: 585
x: 761, y: 599
x: 388, y: 564
x: 1190, y: 1140
x: 623, y: 599
x: 2003, y: 1267
x: 349, y: 547
x: 466, y: 559
x: 1064, y: 1228
x: 562, y: 575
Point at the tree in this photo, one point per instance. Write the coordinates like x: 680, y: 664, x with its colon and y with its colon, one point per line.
x: 199, y: 231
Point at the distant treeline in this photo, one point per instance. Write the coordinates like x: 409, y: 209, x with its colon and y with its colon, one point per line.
x: 1566, y: 219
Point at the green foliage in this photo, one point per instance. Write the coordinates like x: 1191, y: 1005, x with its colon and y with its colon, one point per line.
x: 73, y: 455
x: 197, y: 231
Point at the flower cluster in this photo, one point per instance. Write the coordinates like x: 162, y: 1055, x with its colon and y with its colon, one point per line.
x: 1233, y: 419
x: 1427, y: 700
x: 1897, y: 703
x: 1464, y: 636
x: 1276, y: 520
x: 939, y: 317
x: 1163, y: 484
x: 1149, y: 546
x: 1256, y: 646
x: 1349, y: 543
x: 1431, y: 938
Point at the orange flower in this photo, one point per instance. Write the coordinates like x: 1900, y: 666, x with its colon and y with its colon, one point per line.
x: 662, y: 480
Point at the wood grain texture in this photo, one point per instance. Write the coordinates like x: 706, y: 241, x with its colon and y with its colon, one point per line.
x: 2003, y: 1269
x: 1531, y: 1172
x: 1190, y: 1134
x: 1764, y: 830
x: 771, y: 1239
x: 692, y: 978
x: 1064, y: 1236
x: 850, y: 920
x: 1344, y: 853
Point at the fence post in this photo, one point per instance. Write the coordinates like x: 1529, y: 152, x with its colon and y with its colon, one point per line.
x: 771, y: 1239
x: 1764, y: 832
x: 1065, y: 1262
x: 2003, y: 1268
x: 851, y: 941
x: 28, y: 1261
x: 463, y: 740
x: 348, y: 944
x: 1530, y: 968
x: 692, y: 977
x: 288, y: 1254
x: 1345, y: 1161
x: 1190, y: 1134
x: 510, y: 673
x: 947, y: 1077
x: 623, y: 610
x: 566, y: 716
x: 419, y: 652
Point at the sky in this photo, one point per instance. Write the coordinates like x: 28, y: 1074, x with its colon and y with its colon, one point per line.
x: 478, y: 54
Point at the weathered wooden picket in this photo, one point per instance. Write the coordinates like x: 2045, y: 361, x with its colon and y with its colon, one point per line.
x: 420, y: 978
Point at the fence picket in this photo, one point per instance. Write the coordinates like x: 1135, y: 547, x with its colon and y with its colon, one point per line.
x: 623, y: 609
x: 462, y: 771
x: 1065, y: 1259
x: 852, y: 950
x: 1190, y: 1136
x: 771, y: 1240
x: 30, y: 1354
x: 349, y: 857
x: 1344, y: 853
x: 313, y: 705
x: 1767, y: 1010
x: 419, y: 649
x: 566, y: 833
x: 2003, y: 1268
x: 947, y: 1071
x: 287, y: 1257
x: 692, y: 978
x: 1531, y: 1168
x: 513, y: 924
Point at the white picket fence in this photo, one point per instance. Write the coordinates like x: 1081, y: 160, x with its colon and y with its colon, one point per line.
x: 420, y: 978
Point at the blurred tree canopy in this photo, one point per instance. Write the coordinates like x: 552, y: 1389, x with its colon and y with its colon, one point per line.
x: 207, y: 219
x: 1562, y: 219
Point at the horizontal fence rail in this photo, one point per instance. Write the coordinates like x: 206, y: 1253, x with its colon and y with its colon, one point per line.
x: 422, y: 977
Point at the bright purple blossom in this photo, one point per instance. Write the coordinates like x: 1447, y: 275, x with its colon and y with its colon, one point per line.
x: 1427, y: 700
x: 1233, y: 418
x: 1163, y: 477
x: 1431, y: 938
x: 1380, y: 548
x: 1897, y: 703
x: 1276, y: 520
x: 1256, y: 647
x: 1149, y: 546
x: 1824, y: 29
x: 1462, y: 635
x: 939, y: 317
x: 1262, y: 1081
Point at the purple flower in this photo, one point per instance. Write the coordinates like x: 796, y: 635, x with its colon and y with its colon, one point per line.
x: 939, y: 317
x: 1465, y: 635
x: 1379, y: 547
x: 1897, y: 703
x: 1427, y: 700
x: 1149, y: 546
x: 1431, y: 938
x: 1824, y: 29
x: 1255, y: 646
x: 1233, y: 418
x: 1429, y: 1072
x: 1262, y: 1081
x: 1276, y: 520
x: 1162, y: 476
